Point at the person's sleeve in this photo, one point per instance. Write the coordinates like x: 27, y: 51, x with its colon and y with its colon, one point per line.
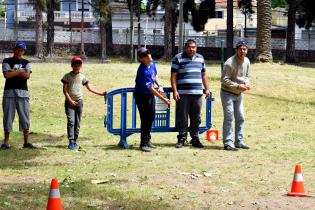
x: 226, y: 77
x: 28, y: 67
x: 64, y: 79
x: 5, y: 66
x: 203, y: 66
x: 85, y: 81
x: 175, y: 65
x: 246, y: 79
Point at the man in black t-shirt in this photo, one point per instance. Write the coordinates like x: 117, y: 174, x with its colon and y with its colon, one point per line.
x: 16, y: 72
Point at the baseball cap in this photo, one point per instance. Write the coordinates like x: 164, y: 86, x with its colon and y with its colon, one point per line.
x: 20, y: 44
x: 76, y: 60
x: 142, y: 52
x: 241, y: 43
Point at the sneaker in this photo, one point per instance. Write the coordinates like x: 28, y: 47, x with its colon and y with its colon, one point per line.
x: 179, y: 144
x: 72, y: 146
x: 5, y: 146
x: 242, y: 146
x: 145, y: 148
x: 29, y: 146
x: 230, y: 148
x: 196, y: 143
x: 151, y: 145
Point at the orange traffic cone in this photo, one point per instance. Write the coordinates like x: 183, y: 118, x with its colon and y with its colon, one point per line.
x: 212, y: 135
x: 297, y: 184
x: 54, y: 200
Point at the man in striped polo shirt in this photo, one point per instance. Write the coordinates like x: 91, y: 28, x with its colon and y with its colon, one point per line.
x: 188, y: 78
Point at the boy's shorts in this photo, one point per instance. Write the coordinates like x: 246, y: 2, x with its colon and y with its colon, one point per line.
x: 22, y: 106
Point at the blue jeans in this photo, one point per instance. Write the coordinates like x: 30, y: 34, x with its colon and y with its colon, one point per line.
x: 233, y: 108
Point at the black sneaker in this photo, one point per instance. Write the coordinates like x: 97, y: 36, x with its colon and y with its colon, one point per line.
x: 180, y: 144
x: 145, y: 148
x: 149, y: 144
x: 230, y: 148
x: 29, y: 146
x: 5, y: 146
x: 242, y: 146
x: 196, y: 143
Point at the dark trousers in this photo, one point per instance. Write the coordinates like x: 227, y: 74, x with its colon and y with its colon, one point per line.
x: 73, y: 120
x: 146, y: 107
x: 188, y: 106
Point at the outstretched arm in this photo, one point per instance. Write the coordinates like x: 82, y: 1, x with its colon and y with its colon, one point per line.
x: 93, y: 90
x: 158, y: 94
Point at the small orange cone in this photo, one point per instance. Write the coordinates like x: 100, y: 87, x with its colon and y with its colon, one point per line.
x: 297, y: 184
x: 54, y: 200
x: 212, y: 135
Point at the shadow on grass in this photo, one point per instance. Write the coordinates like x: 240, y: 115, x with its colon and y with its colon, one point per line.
x: 159, y: 145
x: 81, y: 194
x: 282, y: 99
x: 17, y: 158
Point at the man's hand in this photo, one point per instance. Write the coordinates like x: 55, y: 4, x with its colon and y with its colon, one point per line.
x: 242, y: 87
x: 207, y: 93
x: 248, y: 86
x: 160, y: 89
x: 176, y: 96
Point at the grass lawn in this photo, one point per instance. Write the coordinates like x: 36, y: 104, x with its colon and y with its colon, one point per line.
x: 280, y: 116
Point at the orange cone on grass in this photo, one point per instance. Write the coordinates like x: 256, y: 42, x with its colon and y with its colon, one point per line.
x: 297, y: 184
x: 54, y: 200
x: 212, y: 135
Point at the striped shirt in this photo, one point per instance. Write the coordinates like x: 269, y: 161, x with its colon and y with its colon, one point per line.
x: 189, y: 73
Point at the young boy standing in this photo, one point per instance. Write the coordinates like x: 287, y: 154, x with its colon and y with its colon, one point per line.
x: 144, y: 96
x: 72, y: 89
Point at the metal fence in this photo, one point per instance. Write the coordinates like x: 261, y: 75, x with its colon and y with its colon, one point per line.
x: 304, y: 42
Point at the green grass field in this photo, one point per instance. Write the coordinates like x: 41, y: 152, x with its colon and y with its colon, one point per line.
x: 280, y: 116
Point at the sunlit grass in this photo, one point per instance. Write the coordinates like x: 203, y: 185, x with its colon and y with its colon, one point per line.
x: 280, y: 118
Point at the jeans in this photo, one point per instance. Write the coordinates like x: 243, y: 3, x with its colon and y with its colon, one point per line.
x: 146, y: 107
x: 233, y: 108
x: 188, y: 105
x: 73, y: 120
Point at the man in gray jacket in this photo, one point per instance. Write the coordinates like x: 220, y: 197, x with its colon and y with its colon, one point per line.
x: 234, y: 81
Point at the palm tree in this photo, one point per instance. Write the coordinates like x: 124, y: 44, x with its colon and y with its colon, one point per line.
x: 290, y: 50
x: 263, y: 36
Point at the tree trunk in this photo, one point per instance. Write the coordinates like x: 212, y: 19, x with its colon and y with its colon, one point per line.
x: 263, y: 36
x: 168, y: 30
x: 229, y: 28
x: 103, y: 42
x: 290, y: 50
x: 39, y: 30
x: 109, y: 32
x: 131, y: 31
x: 50, y: 27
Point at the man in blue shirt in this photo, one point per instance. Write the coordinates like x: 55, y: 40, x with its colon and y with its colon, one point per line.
x: 188, y: 78
x: 144, y: 96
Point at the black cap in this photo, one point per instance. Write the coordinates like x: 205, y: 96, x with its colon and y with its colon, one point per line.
x: 241, y: 43
x: 143, y: 52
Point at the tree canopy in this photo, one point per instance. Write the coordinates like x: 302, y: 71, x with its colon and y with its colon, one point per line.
x: 200, y: 12
x: 305, y: 13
